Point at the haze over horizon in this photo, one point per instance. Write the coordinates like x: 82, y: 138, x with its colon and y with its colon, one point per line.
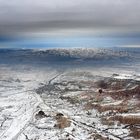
x: 63, y: 23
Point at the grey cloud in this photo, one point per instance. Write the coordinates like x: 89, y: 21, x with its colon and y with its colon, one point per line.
x: 17, y: 16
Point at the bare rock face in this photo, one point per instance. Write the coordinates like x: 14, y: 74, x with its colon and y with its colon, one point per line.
x: 62, y: 121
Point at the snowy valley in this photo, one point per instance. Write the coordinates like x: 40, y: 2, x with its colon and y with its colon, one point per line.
x: 69, y: 100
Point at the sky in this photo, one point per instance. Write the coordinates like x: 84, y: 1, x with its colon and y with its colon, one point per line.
x: 69, y: 23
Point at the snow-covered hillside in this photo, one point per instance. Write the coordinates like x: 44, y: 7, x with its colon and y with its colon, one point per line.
x: 67, y: 55
x: 68, y: 100
x: 86, y: 52
x: 43, y: 103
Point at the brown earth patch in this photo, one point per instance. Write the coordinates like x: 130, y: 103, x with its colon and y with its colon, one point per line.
x: 121, y: 108
x: 62, y: 121
x: 130, y: 119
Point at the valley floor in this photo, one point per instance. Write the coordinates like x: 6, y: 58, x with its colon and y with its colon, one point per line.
x: 43, y: 104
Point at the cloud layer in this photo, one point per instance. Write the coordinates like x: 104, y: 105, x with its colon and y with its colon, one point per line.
x: 86, y: 16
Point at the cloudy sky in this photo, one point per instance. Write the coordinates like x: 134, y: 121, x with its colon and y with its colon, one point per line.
x: 44, y: 18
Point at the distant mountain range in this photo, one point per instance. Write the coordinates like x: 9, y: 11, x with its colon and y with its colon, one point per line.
x: 68, y: 55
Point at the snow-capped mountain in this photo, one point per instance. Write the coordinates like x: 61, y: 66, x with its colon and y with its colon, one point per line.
x: 70, y: 57
x: 84, y: 53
